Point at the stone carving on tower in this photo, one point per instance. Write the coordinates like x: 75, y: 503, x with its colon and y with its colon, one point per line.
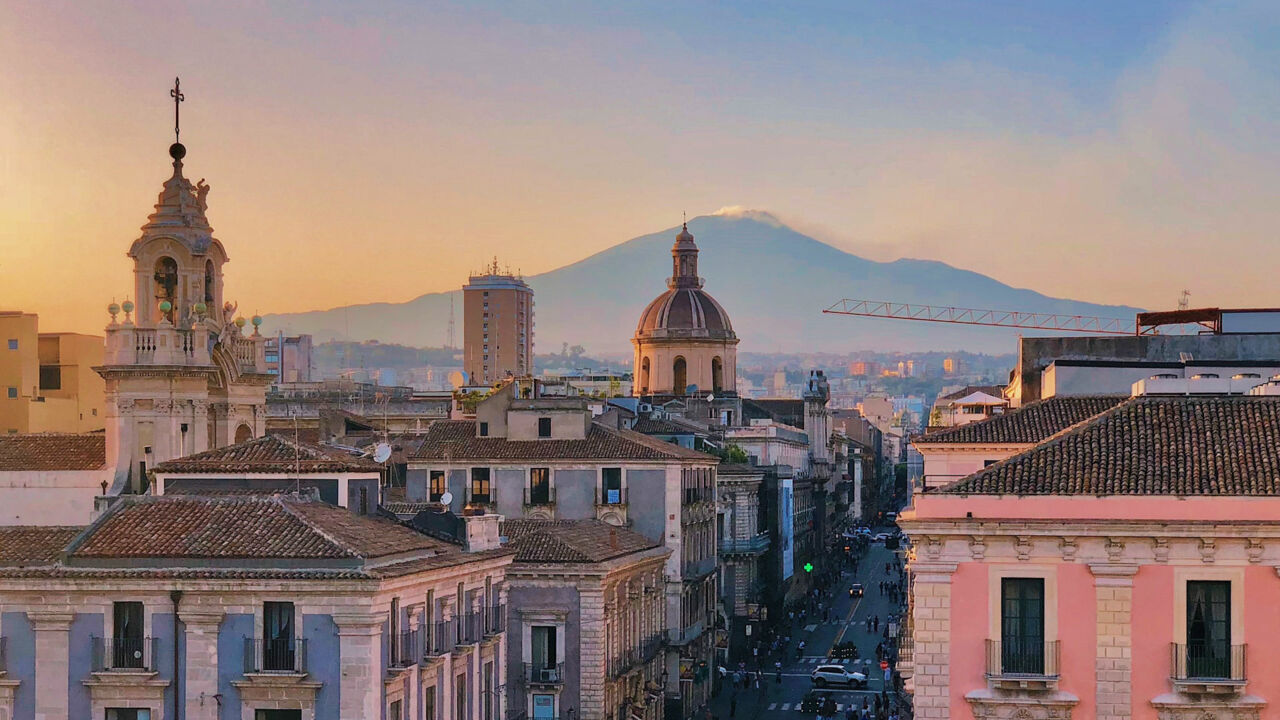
x: 181, y: 374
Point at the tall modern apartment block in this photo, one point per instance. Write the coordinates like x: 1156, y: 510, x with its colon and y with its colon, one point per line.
x: 497, y: 326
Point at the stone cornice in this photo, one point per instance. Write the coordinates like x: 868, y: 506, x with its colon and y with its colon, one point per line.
x: 50, y: 620
x: 359, y: 623
x: 1084, y: 528
x: 197, y: 618
x: 1113, y: 570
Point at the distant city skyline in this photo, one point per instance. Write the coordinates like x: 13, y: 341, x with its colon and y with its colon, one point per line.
x: 1114, y: 153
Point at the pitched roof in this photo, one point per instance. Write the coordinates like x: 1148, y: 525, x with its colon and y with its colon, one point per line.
x: 967, y: 390
x: 731, y: 469
x: 53, y: 451
x: 29, y: 545
x: 457, y: 440
x: 276, y: 527
x: 571, y: 541
x: 1224, y: 445
x: 662, y: 426
x: 1026, y: 425
x: 270, y: 454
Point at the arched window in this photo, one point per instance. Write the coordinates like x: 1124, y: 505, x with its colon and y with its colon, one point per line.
x: 208, y: 281
x: 644, y: 376
x: 680, y: 375
x: 243, y: 433
x: 717, y: 374
x: 166, y: 284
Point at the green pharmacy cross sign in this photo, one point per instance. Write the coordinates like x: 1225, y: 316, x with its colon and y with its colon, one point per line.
x: 808, y: 567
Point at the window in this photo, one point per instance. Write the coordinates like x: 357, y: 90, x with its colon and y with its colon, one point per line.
x: 460, y: 694
x: 13, y: 343
x: 1022, y: 626
x: 1209, y: 628
x: 539, y: 486
x: 480, y: 485
x: 438, y: 486
x: 394, y: 622
x: 544, y: 427
x: 428, y: 622
x: 364, y: 501
x: 610, y: 486
x: 543, y: 639
x: 679, y: 372
x: 394, y: 712
x: 487, y: 700
x: 13, y: 393
x: 129, y: 714
x: 277, y: 715
x: 484, y: 426
x: 277, y: 636
x: 127, y: 643
x: 429, y: 703
x: 989, y: 463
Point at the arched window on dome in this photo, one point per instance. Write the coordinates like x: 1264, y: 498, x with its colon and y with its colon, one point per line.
x: 717, y: 374
x: 644, y: 376
x: 680, y: 375
x: 243, y: 433
x: 166, y: 284
x: 208, y: 281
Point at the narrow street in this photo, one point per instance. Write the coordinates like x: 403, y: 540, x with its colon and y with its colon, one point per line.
x: 846, y: 622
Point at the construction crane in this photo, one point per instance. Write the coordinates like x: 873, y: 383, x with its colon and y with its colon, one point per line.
x: 993, y: 318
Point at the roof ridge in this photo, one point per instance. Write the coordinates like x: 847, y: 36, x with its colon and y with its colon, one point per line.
x: 337, y: 542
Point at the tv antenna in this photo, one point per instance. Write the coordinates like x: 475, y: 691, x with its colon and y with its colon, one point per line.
x: 451, y: 322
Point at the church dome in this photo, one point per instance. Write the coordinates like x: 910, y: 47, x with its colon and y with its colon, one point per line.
x: 687, y: 312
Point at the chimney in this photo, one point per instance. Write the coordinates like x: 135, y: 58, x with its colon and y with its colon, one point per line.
x: 482, y: 532
x: 613, y: 538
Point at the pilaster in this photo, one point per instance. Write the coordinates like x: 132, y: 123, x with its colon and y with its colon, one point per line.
x: 1113, y: 592
x: 360, y: 650
x: 201, y: 680
x: 52, y: 630
x: 931, y: 618
x: 591, y: 652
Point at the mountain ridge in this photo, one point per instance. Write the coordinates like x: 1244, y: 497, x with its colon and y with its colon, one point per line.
x: 773, y: 281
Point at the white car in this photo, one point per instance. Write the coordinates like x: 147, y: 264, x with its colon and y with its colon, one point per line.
x: 825, y: 675
x: 880, y: 537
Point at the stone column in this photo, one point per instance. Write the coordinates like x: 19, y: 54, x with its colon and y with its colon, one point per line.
x: 932, y: 629
x: 1113, y: 591
x: 201, y: 680
x: 591, y: 652
x: 53, y: 661
x: 360, y: 649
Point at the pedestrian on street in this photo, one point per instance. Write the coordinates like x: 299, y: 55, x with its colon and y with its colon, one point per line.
x: 778, y: 667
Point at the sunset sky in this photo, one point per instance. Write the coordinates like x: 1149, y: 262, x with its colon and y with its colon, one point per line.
x: 1106, y: 151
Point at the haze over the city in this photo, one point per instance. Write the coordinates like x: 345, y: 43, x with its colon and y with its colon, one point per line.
x: 1108, y: 152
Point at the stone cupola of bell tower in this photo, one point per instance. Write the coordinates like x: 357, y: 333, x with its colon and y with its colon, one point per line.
x: 181, y: 374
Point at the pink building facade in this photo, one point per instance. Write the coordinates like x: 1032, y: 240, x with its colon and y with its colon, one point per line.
x: 1127, y: 567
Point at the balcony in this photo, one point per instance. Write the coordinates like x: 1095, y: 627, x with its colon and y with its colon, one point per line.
x: 405, y: 651
x: 1207, y: 669
x: 124, y: 654
x: 440, y: 640
x: 754, y: 545
x: 495, y: 620
x: 286, y: 656
x: 635, y: 657
x: 1022, y: 665
x: 686, y: 635
x: 468, y: 628
x: 696, y: 570
x: 544, y: 675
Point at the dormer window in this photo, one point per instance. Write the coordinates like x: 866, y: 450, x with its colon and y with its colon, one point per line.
x: 544, y: 427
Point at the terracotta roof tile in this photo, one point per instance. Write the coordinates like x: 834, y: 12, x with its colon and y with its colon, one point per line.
x: 270, y: 454
x: 277, y: 527
x: 457, y: 440
x: 571, y: 541
x: 1150, y: 446
x: 30, y: 545
x: 53, y: 451
x: 1026, y: 425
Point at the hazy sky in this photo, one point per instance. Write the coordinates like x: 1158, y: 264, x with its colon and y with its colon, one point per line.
x: 1106, y: 151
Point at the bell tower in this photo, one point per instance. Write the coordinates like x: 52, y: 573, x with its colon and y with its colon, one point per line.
x: 181, y: 375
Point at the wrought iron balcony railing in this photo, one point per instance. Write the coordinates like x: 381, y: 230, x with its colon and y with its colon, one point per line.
x: 542, y: 674
x: 1030, y: 658
x: 1204, y: 663
x: 124, y: 654
x: 275, y: 655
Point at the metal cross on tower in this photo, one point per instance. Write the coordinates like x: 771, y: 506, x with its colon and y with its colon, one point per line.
x: 176, y: 94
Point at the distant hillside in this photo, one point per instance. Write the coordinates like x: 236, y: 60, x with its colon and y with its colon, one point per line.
x: 773, y: 281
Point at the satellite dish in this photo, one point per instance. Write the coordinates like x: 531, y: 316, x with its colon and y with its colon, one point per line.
x: 381, y: 452
x: 446, y: 498
x: 691, y: 390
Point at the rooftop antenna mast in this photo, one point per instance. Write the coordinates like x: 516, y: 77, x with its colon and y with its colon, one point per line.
x: 1184, y: 300
x: 451, y: 326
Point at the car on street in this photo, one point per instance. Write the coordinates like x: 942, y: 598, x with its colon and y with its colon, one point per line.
x: 880, y: 537
x: 814, y: 700
x: 825, y: 675
x: 856, y: 590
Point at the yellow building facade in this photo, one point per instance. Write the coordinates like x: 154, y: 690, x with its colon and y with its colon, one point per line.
x: 47, y: 380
